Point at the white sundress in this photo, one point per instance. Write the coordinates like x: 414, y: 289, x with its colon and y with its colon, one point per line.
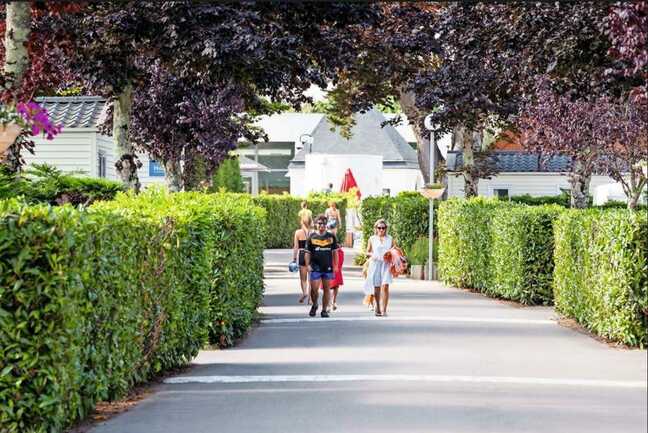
x: 378, y: 270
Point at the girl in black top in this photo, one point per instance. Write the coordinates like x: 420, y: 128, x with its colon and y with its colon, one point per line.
x: 299, y: 245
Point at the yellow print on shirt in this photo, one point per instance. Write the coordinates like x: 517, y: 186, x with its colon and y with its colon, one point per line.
x: 322, y: 242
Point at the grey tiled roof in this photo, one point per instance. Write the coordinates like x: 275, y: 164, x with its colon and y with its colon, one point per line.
x: 74, y: 111
x: 368, y: 138
x: 512, y: 161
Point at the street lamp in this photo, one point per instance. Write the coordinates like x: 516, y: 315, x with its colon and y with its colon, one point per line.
x: 306, y: 139
x: 430, y: 127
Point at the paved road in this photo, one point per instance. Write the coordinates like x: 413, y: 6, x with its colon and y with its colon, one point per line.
x: 444, y: 361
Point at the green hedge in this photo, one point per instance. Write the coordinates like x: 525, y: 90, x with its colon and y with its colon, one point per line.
x: 407, y: 214
x: 465, y: 241
x: 601, y: 273
x: 93, y: 302
x: 48, y: 185
x: 282, y: 220
x: 521, y: 259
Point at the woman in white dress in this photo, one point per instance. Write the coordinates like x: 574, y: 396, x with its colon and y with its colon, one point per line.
x: 378, y: 276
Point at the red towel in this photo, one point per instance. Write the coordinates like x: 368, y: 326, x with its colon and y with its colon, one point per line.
x: 339, y: 281
x: 396, y: 261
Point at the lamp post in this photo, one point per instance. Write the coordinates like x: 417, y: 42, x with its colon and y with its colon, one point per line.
x: 430, y: 127
x: 306, y: 139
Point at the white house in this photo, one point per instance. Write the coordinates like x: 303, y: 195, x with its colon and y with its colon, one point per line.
x: 82, y: 148
x: 379, y: 157
x: 526, y: 173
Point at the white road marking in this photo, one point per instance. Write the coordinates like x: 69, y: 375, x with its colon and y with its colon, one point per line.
x: 410, y: 319
x: 408, y: 378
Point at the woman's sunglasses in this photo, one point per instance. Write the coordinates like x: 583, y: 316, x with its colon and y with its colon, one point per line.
x: 381, y: 228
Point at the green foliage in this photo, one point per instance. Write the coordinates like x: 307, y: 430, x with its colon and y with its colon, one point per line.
x: 418, y: 253
x: 372, y: 209
x: 561, y: 199
x: 94, y: 301
x: 522, y: 253
x: 465, y: 241
x: 407, y: 214
x: 45, y: 184
x: 600, y: 276
x: 228, y: 177
x: 282, y: 220
x: 360, y: 259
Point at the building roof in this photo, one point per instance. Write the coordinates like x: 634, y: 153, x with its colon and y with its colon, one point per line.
x: 368, y: 137
x: 247, y: 164
x: 288, y: 127
x: 404, y: 128
x: 74, y: 111
x: 515, y: 161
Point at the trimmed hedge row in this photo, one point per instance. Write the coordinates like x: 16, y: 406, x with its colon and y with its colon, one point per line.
x: 465, y: 240
x: 93, y: 302
x: 282, y: 219
x: 408, y: 215
x: 592, y: 263
x: 601, y: 275
x: 521, y: 253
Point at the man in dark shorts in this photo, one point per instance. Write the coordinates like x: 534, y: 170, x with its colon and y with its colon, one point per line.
x: 319, y: 256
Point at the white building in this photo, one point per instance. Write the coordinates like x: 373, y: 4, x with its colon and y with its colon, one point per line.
x: 523, y: 173
x: 82, y: 148
x: 380, y: 159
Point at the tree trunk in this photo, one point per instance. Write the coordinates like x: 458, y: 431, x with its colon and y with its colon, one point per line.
x: 127, y: 162
x: 579, y: 180
x: 18, y: 28
x: 465, y: 138
x: 408, y: 105
x: 173, y: 175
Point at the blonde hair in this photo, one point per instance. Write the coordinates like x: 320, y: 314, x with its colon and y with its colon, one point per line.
x: 380, y: 221
x: 333, y: 204
x: 306, y: 221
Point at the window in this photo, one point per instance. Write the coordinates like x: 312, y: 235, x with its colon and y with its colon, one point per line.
x: 386, y: 191
x: 101, y: 164
x: 155, y: 169
x: 501, y: 193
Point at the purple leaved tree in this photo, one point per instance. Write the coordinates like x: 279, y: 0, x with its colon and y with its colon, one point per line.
x: 600, y: 135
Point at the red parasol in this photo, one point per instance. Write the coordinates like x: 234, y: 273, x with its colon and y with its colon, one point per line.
x: 349, y: 182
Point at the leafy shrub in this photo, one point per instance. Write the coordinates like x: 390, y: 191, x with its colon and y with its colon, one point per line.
x: 282, y: 220
x: 562, y: 199
x: 95, y: 301
x: 600, y: 276
x: 46, y: 184
x: 465, y: 241
x: 418, y: 253
x: 372, y: 209
x: 360, y: 259
x: 522, y: 253
x: 228, y: 177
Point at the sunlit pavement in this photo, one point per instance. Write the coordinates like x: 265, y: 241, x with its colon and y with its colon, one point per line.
x: 444, y: 360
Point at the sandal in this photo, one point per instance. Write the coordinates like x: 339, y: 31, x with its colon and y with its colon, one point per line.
x: 302, y: 298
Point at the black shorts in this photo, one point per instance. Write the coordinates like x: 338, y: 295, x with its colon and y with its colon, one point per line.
x: 302, y: 258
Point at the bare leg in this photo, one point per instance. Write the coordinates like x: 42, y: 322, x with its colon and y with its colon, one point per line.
x: 385, y: 298
x: 314, y: 291
x: 335, y: 294
x: 303, y: 277
x: 377, y: 301
x: 326, y: 295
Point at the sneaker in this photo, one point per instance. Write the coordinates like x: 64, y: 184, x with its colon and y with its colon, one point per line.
x: 313, y: 310
x: 324, y: 313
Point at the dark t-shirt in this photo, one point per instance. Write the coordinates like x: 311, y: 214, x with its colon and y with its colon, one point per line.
x: 321, y: 251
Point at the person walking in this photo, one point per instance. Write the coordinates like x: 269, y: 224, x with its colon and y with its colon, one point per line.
x: 320, y: 258
x: 299, y: 254
x: 339, y: 280
x: 332, y: 214
x: 378, y: 274
x: 304, y: 213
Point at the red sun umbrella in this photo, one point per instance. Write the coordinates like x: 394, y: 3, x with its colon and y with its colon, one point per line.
x: 349, y: 182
